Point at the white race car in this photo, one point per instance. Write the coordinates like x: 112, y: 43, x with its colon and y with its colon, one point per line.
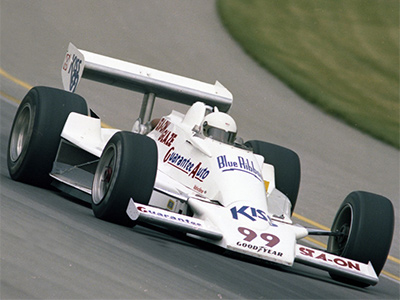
x: 187, y: 172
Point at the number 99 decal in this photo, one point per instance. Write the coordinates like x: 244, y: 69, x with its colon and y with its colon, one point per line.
x: 270, y: 239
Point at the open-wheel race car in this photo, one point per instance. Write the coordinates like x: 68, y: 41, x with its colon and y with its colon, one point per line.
x: 187, y: 172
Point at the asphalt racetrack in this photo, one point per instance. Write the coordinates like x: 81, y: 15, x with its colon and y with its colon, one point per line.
x: 53, y: 247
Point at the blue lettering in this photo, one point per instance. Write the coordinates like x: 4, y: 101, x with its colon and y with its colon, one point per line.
x: 241, y: 164
x: 234, y: 213
x: 221, y: 162
x: 253, y: 215
x: 253, y: 212
x: 262, y: 216
x: 241, y: 211
x: 74, y: 69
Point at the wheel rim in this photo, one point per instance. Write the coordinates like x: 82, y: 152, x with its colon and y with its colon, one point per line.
x: 21, y: 133
x: 342, y: 224
x: 104, y: 175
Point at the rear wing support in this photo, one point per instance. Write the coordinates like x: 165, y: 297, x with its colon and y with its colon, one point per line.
x: 151, y: 82
x: 147, y: 107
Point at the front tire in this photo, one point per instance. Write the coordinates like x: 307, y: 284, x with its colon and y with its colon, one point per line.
x: 36, y: 130
x: 367, y: 223
x: 127, y: 169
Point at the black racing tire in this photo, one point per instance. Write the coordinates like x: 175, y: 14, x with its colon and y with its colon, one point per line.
x: 287, y: 167
x: 367, y: 221
x: 127, y: 169
x: 35, y: 133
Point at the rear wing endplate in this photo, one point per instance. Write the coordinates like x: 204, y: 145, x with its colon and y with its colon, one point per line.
x: 151, y: 82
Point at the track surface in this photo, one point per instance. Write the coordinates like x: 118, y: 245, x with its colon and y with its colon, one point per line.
x: 53, y: 247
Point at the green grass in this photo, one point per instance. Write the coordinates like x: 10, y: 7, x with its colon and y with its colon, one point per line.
x: 342, y: 55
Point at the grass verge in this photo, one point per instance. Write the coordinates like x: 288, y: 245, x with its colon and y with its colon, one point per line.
x: 341, y: 55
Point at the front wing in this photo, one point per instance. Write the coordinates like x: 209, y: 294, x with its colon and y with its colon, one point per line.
x: 309, y: 256
x: 336, y: 264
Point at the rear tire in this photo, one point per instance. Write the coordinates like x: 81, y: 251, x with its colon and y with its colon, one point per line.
x: 287, y: 167
x: 36, y: 130
x: 127, y: 169
x: 367, y: 221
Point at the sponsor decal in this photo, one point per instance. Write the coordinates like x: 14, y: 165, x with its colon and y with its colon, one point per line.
x: 167, y: 137
x: 342, y: 262
x: 266, y: 184
x: 251, y: 213
x: 240, y: 164
x: 249, y: 235
x: 162, y: 125
x: 199, y: 189
x: 168, y: 216
x: 74, y: 69
x: 259, y: 249
x: 66, y: 61
x: 185, y: 164
x: 170, y: 204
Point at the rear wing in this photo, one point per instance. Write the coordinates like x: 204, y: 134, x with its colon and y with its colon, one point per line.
x: 151, y: 82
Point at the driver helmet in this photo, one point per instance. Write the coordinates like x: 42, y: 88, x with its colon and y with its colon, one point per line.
x: 220, y: 126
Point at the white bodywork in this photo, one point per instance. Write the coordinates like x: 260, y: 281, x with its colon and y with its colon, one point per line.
x: 223, y: 194
x: 224, y: 187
